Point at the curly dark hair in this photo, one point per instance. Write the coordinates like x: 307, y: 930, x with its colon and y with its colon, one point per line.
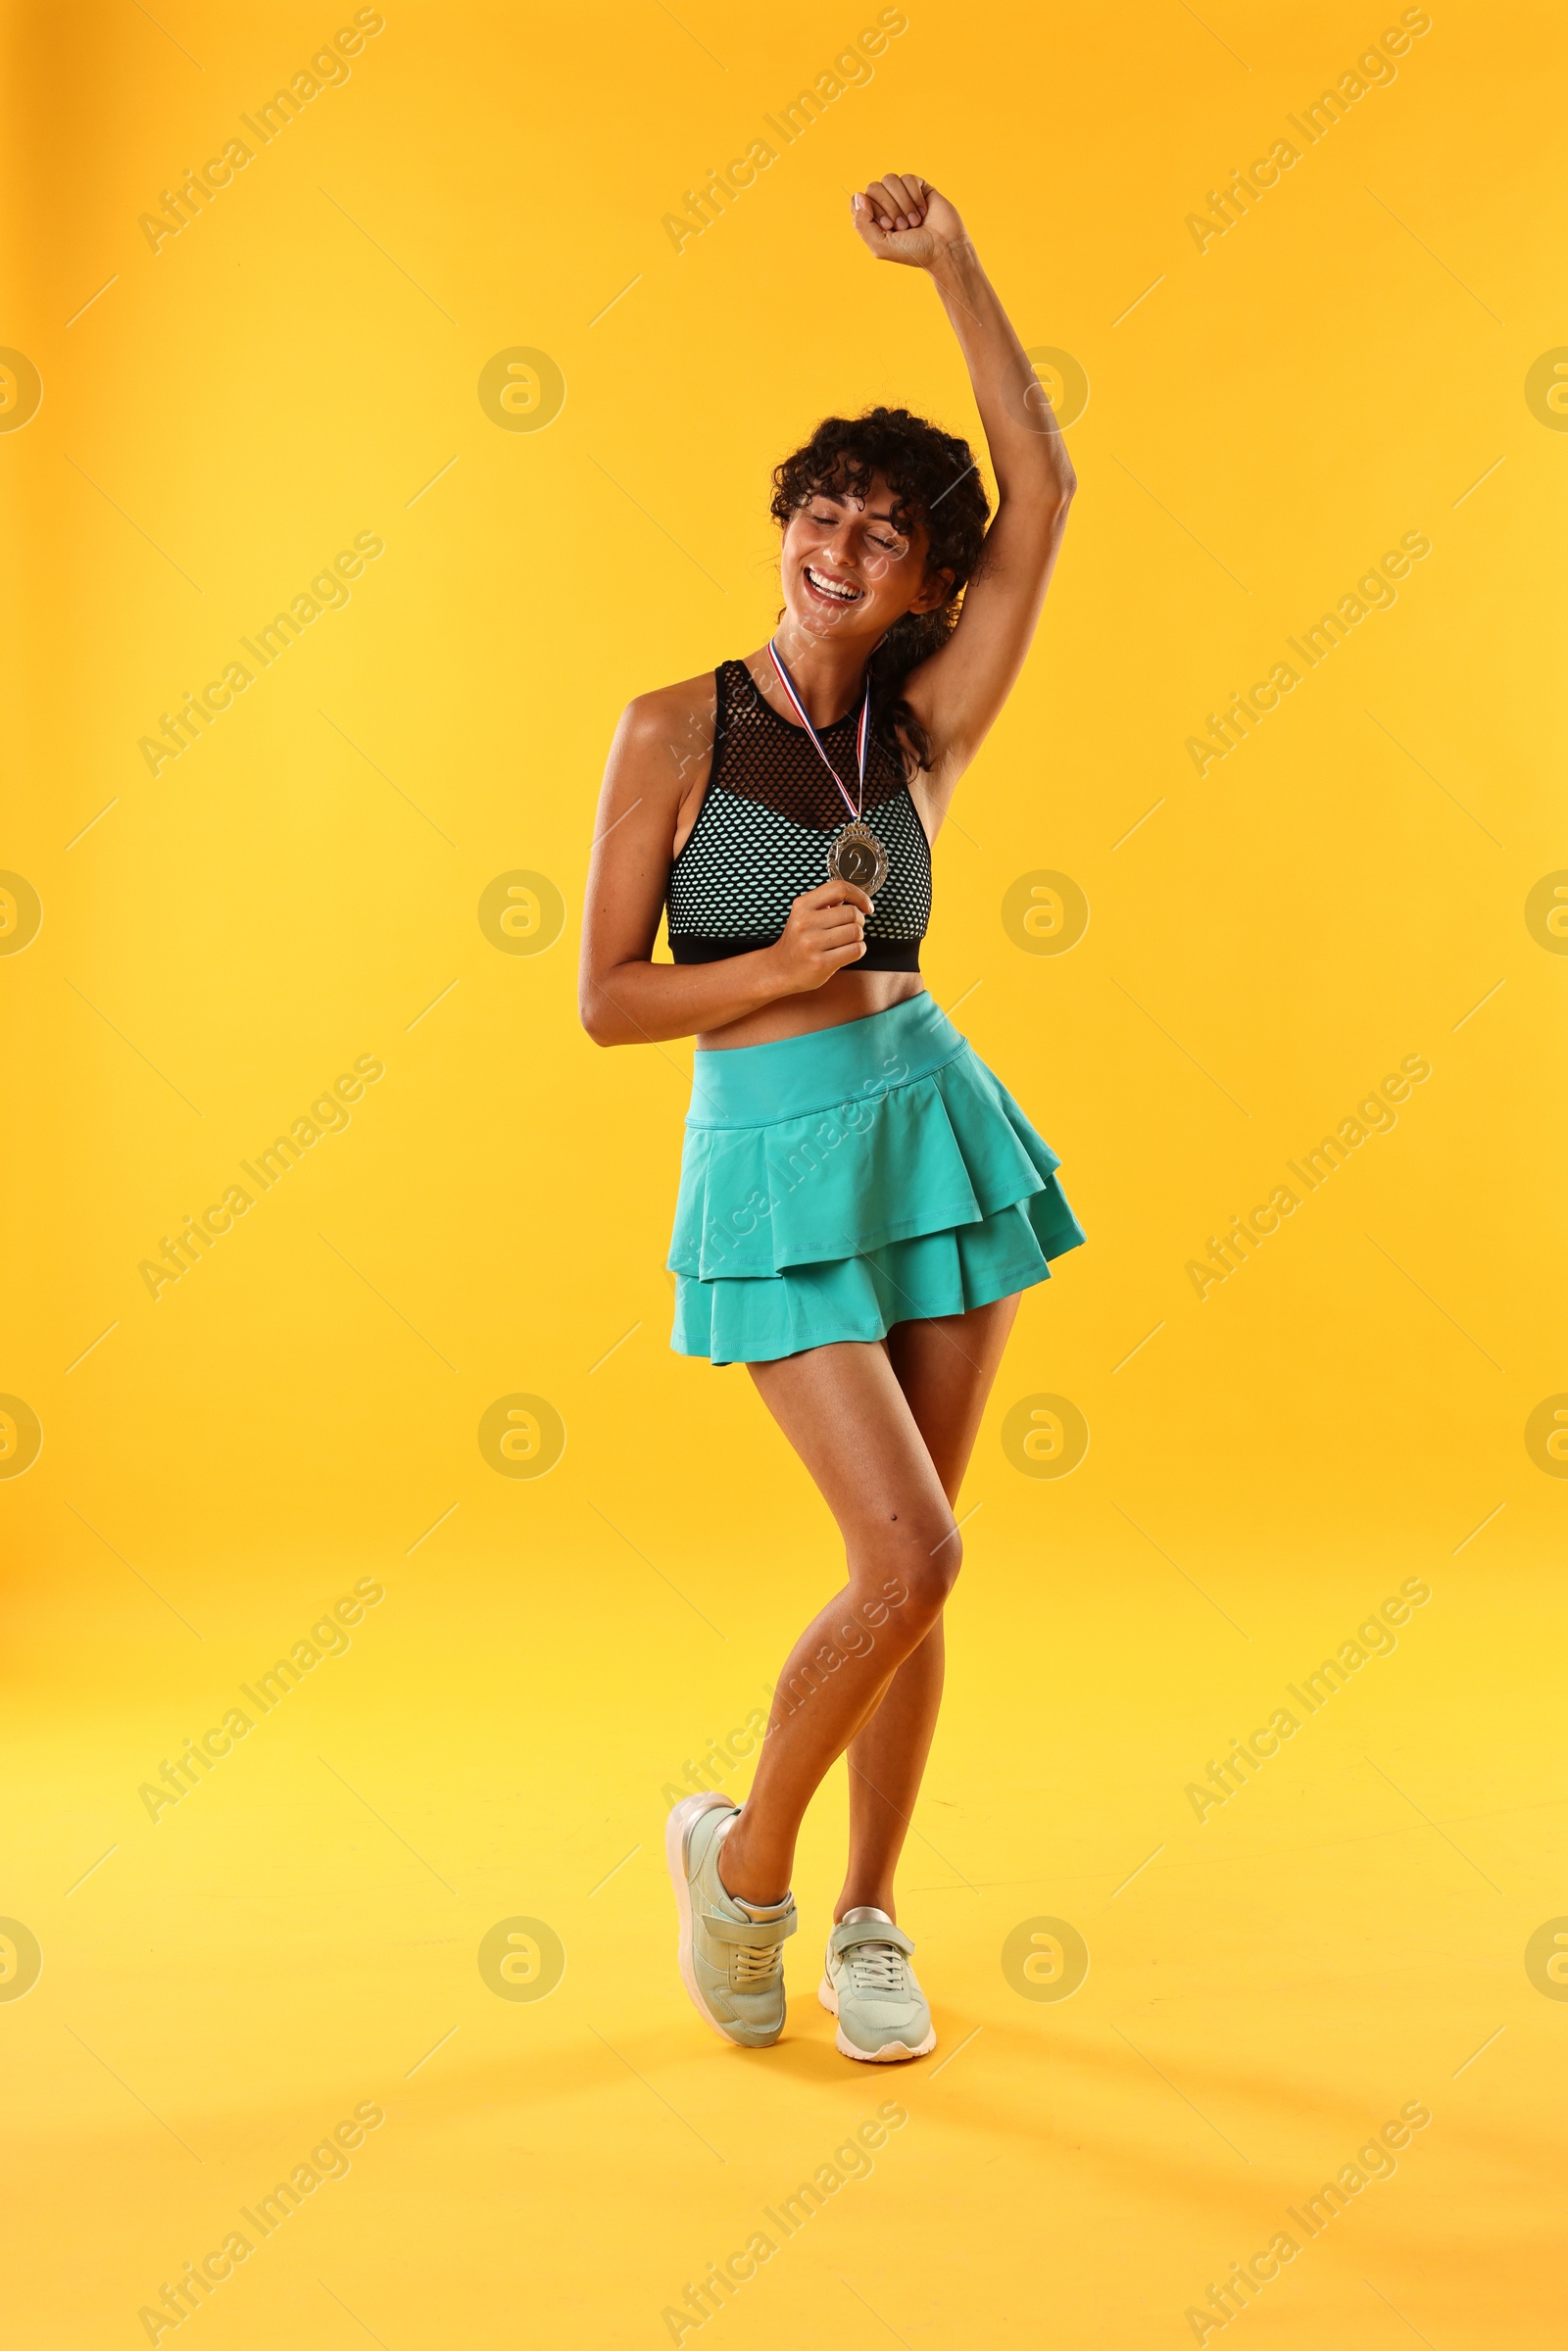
x: 935, y: 484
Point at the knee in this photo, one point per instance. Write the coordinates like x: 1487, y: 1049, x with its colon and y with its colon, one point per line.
x: 937, y: 1570
x: 910, y: 1574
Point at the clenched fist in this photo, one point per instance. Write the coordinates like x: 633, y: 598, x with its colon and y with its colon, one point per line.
x: 902, y: 218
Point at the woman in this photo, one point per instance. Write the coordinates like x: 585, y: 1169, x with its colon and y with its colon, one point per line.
x: 860, y: 1203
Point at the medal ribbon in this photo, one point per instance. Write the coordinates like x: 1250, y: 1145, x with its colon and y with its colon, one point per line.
x: 863, y: 735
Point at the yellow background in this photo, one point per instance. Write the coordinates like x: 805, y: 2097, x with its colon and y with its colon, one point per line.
x: 302, y: 1928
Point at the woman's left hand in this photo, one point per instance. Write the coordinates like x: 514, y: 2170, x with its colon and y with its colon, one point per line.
x: 902, y: 218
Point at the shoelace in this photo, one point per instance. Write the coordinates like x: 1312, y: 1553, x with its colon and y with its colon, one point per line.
x: 879, y: 1968
x: 756, y: 1967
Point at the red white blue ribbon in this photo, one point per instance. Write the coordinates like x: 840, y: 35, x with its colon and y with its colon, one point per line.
x: 863, y: 734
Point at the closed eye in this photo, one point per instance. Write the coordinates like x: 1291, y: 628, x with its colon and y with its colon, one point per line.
x: 887, y: 546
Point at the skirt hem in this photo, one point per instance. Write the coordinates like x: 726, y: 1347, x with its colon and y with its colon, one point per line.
x: 1003, y: 1288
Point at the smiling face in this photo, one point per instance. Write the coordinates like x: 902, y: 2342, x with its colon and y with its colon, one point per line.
x: 847, y: 570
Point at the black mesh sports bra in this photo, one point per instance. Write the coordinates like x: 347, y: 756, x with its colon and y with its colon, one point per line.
x: 762, y: 833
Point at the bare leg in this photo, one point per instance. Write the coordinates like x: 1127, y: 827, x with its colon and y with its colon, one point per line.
x: 848, y: 1416
x: 945, y: 1369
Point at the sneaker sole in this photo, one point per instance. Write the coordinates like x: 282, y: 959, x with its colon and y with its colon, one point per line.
x: 682, y: 1820
x: 896, y: 2052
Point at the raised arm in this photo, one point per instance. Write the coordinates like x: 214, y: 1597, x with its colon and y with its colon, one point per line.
x: 959, y: 691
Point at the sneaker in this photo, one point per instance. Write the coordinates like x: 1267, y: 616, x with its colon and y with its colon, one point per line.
x: 869, y: 1985
x: 731, y: 1953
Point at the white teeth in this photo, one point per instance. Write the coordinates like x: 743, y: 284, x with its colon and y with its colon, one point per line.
x: 845, y: 595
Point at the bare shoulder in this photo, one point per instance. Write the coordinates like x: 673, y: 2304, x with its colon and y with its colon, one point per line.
x: 671, y: 725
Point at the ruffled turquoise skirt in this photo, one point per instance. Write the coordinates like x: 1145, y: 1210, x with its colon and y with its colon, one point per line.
x: 835, y: 1184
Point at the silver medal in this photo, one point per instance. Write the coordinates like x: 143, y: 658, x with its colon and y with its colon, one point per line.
x: 856, y: 856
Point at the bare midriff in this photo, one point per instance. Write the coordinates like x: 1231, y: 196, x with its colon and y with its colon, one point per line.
x: 847, y: 995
